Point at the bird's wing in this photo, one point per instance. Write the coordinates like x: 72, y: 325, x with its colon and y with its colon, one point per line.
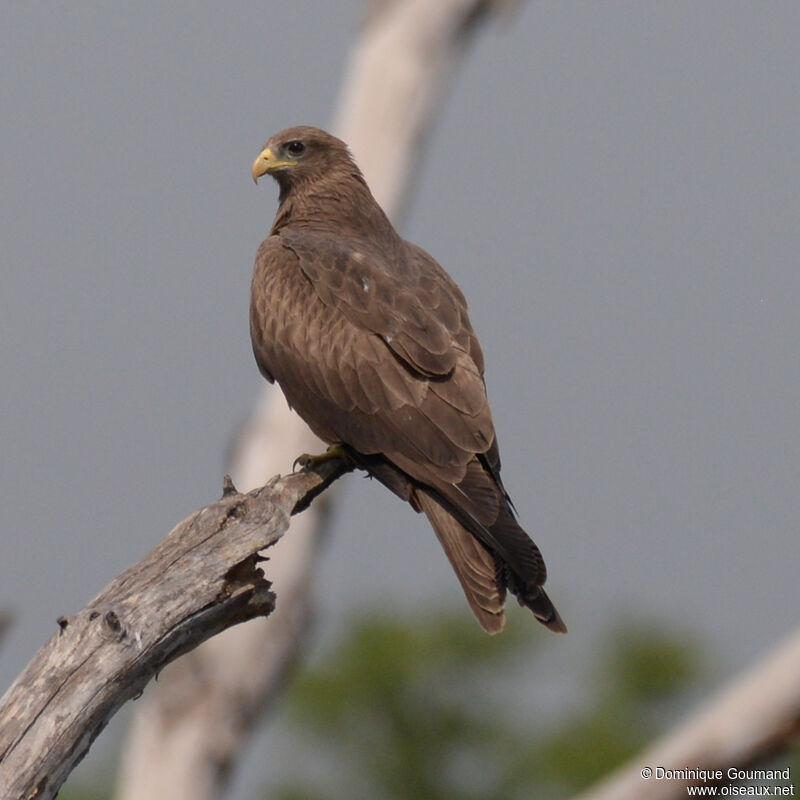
x: 384, y: 369
x: 400, y: 294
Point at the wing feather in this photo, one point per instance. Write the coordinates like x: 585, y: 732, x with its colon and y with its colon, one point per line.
x: 359, y: 281
x: 331, y: 357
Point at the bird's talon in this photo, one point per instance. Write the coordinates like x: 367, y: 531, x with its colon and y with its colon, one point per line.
x: 303, y: 461
x: 335, y: 451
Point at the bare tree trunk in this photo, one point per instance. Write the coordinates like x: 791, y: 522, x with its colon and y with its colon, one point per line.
x: 5, y: 623
x: 201, y: 578
x: 192, y: 723
x: 752, y: 718
x: 190, y: 729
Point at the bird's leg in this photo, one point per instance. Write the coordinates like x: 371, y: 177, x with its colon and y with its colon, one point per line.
x: 330, y: 465
x: 335, y: 451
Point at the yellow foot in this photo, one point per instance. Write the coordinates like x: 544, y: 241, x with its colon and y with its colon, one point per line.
x: 335, y: 451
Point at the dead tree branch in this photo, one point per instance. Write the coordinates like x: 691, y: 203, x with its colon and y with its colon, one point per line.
x: 754, y: 717
x: 202, y: 578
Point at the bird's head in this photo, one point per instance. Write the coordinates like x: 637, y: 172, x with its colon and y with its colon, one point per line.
x: 300, y: 154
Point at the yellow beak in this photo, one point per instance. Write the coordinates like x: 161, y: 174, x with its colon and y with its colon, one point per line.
x: 266, y: 162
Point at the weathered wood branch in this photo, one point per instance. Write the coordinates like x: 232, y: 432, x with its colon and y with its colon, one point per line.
x: 752, y: 718
x: 191, y: 726
x: 202, y: 578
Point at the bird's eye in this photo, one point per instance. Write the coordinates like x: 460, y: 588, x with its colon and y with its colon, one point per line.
x: 295, y: 148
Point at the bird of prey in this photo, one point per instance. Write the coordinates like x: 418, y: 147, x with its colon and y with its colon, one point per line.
x: 370, y: 341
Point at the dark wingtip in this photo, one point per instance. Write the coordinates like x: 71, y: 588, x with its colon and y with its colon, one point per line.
x: 554, y: 623
x: 544, y: 610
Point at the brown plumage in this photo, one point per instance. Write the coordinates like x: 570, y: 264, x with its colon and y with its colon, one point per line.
x: 369, y: 339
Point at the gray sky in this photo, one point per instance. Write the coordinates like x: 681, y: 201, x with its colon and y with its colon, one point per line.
x: 613, y: 185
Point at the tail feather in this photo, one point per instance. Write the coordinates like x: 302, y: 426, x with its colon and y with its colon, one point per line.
x: 473, y: 564
x: 486, y: 546
x: 519, y: 566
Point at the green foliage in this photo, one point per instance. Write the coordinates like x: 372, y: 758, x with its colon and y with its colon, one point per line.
x: 397, y: 695
x: 420, y: 709
x: 640, y: 675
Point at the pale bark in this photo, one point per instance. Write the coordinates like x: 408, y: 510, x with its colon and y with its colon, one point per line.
x: 201, y: 578
x: 191, y: 724
x: 190, y: 728
x: 5, y: 623
x: 755, y: 716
